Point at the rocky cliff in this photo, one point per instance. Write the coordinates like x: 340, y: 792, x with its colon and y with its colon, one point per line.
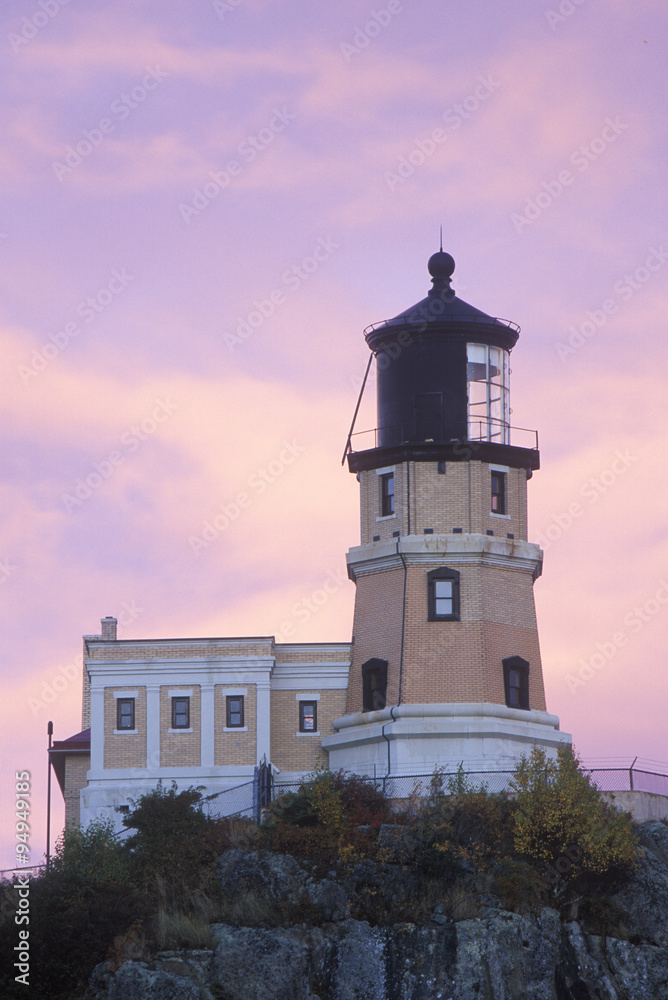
x: 496, y: 955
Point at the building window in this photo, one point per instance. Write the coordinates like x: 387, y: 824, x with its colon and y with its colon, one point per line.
x: 235, y: 711
x: 374, y: 685
x: 308, y: 717
x: 443, y: 588
x: 488, y: 394
x: 516, y: 682
x: 180, y: 713
x: 125, y: 713
x: 387, y: 494
x: 498, y: 492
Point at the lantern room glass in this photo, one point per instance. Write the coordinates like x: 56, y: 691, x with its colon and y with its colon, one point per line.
x: 488, y: 372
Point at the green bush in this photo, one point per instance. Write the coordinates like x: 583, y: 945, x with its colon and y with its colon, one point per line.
x: 76, y: 910
x: 563, y: 824
x: 462, y: 827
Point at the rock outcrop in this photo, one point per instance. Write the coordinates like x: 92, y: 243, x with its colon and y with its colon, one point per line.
x: 498, y: 956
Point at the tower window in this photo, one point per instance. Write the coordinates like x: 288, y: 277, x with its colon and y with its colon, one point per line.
x: 443, y: 589
x: 387, y: 494
x: 516, y: 682
x: 498, y: 492
x: 234, y: 711
x: 180, y: 713
x: 374, y: 685
x: 308, y: 716
x: 488, y: 395
x: 125, y: 713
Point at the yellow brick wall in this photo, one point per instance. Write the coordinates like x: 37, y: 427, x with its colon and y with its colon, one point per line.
x: 76, y: 767
x: 180, y: 749
x: 85, y: 694
x: 179, y: 651
x: 302, y: 753
x: 377, y: 631
x: 125, y: 749
x: 459, y: 498
x: 235, y: 747
x: 462, y: 661
x: 323, y: 653
x: 501, y: 641
x: 370, y: 505
x: 446, y: 661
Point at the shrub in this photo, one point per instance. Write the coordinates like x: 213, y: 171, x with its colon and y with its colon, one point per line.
x: 87, y: 858
x: 462, y: 826
x: 77, y: 908
x: 562, y: 822
x: 173, y: 838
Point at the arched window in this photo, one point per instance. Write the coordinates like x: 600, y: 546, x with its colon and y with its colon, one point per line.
x: 443, y: 589
x: 374, y: 685
x: 516, y: 682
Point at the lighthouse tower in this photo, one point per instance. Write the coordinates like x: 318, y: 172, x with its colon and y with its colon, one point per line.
x: 445, y: 665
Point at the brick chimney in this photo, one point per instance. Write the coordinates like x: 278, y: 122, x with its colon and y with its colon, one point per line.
x: 109, y: 629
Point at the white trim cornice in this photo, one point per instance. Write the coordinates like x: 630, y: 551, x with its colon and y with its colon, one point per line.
x: 506, y: 553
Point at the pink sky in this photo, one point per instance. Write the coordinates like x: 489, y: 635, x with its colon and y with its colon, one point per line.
x: 536, y: 138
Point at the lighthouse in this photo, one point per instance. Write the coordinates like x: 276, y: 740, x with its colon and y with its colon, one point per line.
x: 445, y: 658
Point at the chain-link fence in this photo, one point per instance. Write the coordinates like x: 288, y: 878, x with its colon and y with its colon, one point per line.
x: 629, y: 779
x: 404, y: 786
x: 237, y: 801
x: 251, y: 797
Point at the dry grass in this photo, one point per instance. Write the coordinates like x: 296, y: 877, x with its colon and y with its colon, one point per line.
x: 182, y: 916
x: 180, y: 930
x: 242, y: 834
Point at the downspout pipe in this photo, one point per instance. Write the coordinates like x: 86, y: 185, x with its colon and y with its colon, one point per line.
x: 403, y: 625
x: 389, y: 762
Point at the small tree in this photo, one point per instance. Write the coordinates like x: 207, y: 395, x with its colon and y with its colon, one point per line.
x: 87, y: 858
x: 170, y: 831
x: 462, y: 823
x: 562, y: 821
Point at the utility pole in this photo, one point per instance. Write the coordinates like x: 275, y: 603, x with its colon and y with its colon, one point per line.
x: 49, y: 730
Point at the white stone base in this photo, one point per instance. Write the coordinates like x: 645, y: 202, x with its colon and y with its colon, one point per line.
x: 101, y: 798
x: 415, y: 739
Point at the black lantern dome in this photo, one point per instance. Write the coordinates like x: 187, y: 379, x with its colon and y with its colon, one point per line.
x: 443, y: 372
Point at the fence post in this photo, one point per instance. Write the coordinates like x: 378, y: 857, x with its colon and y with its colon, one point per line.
x: 256, y: 794
x: 262, y: 788
x: 631, y: 773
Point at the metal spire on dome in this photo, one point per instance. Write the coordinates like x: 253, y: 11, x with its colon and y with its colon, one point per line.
x: 441, y: 267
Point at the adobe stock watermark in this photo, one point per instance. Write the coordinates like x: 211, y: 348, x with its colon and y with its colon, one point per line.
x: 88, y: 310
x: 129, y: 442
x: 292, y: 279
x: 223, y: 7
x: 72, y: 672
x: 7, y: 570
x: 592, y: 491
x: 22, y: 790
x: 634, y: 621
x: 565, y: 10
x: 31, y: 25
x: 622, y: 291
x: 454, y: 117
x: 248, y: 150
x: 581, y: 158
x: 121, y: 107
x: 257, y: 484
x: 310, y: 604
x: 378, y: 20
